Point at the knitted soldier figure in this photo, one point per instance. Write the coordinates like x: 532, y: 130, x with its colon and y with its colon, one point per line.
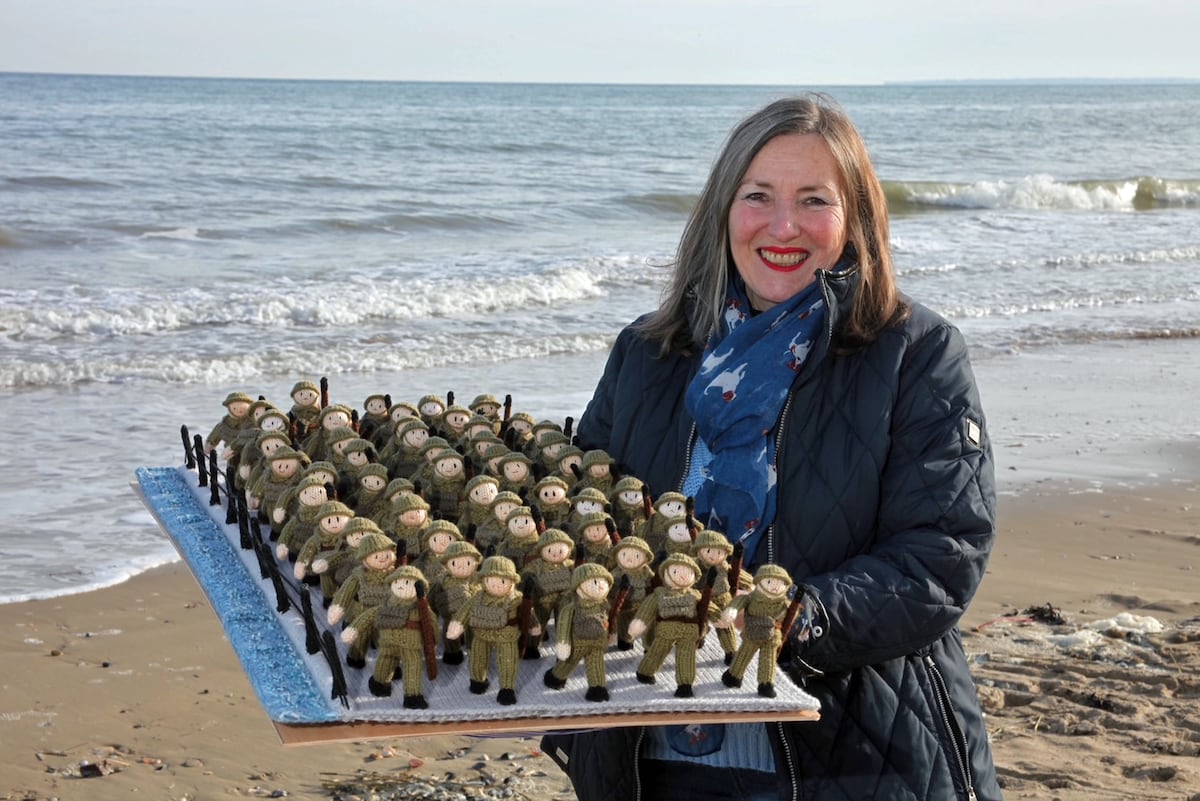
x: 550, y: 495
x: 302, y: 522
x: 375, y: 417
x: 412, y: 519
x: 587, y: 501
x: 551, y: 571
x: 673, y: 611
x: 597, y: 472
x: 491, y: 532
x: 480, y: 492
x: 667, y: 506
x: 332, y: 518
x: 519, y: 431
x: 453, y: 588
x: 631, y: 557
x: 237, y: 417
x: 438, y: 536
x: 520, y: 540
x: 402, y: 454
x: 476, y: 449
x: 516, y: 473
x: 492, y: 617
x: 712, y: 549
x: 264, y: 417
x: 329, y: 419
x: 386, y: 512
x: 430, y: 451
x: 478, y: 427
x: 446, y: 490
x: 287, y: 505
x: 398, y: 414
x: 594, y: 539
x: 283, y: 468
x: 541, y: 430
x: 582, y: 632
x: 397, y: 624
x: 336, y: 442
x: 491, y: 458
x: 358, y: 453
x: 550, y: 449
x: 488, y: 407
x: 341, y: 563
x: 570, y: 465
x: 431, y: 407
x: 454, y: 422
x: 678, y: 535
x: 368, y: 497
x: 765, y: 608
x: 366, y: 586
x: 306, y: 405
x: 252, y: 463
x: 628, y: 505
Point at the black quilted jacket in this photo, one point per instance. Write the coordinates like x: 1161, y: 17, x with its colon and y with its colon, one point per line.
x: 886, y: 516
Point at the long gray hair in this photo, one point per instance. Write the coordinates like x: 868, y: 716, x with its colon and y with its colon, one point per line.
x: 692, y: 301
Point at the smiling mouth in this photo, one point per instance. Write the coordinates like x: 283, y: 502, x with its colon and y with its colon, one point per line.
x: 783, y: 260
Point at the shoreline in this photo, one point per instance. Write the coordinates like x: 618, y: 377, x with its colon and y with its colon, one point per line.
x: 134, y: 678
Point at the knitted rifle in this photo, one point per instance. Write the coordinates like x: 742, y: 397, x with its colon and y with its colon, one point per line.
x: 527, y: 647
x: 620, y: 597
x: 710, y: 579
x: 735, y: 566
x: 428, y: 632
x: 324, y: 392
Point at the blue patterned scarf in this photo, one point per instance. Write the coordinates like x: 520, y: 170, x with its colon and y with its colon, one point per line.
x: 736, y: 399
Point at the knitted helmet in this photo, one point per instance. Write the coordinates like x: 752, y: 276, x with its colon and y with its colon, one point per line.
x: 309, y: 481
x: 410, y: 572
x: 235, y: 397
x: 679, y: 559
x: 545, y: 425
x: 360, y: 445
x: 396, y: 486
x: 628, y: 483
x: 336, y: 407
x: 553, y: 437
x: 286, y: 452
x: 406, y: 406
x: 499, y: 567
x: 772, y: 571
x: 591, y: 494
x: 665, y: 497
x: 299, y: 385
x: 274, y: 413
x: 321, y: 466
x: 431, y: 399
x: 591, y: 519
x: 331, y: 508
x: 341, y: 434
x: 480, y: 479
x: 551, y: 481
x: 515, y: 456
x: 596, y: 457
x: 443, y: 526
x: 480, y: 400
x: 588, y: 571
x: 524, y: 417
x: 506, y: 496
x: 459, y: 549
x: 374, y: 396
x: 553, y: 535
x: 636, y: 543
x: 373, y: 469
x: 710, y: 538
x: 434, y: 443
x: 266, y: 436
x: 410, y: 424
x: 374, y: 541
x: 409, y: 501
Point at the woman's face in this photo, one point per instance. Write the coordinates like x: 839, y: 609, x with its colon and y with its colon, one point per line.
x: 787, y: 219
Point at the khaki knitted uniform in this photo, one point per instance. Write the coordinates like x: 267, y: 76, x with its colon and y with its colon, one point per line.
x: 672, y: 613
x: 521, y: 550
x: 226, y: 430
x: 397, y: 627
x: 760, y: 634
x: 639, y: 585
x: 300, y: 527
x: 411, y: 536
x: 495, y: 631
x: 584, y: 624
x: 448, y: 596
x: 553, y: 581
x: 721, y: 598
x: 446, y: 497
x: 363, y: 589
x: 322, y: 545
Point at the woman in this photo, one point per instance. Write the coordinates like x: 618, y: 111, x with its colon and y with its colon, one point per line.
x: 783, y: 346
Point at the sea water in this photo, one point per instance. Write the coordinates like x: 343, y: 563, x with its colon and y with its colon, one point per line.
x: 166, y: 241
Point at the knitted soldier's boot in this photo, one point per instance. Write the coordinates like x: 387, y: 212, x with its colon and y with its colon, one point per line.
x: 552, y: 681
x: 730, y: 680
x: 766, y: 690
x: 507, y: 697
x: 378, y: 688
x: 684, y: 691
x: 597, y: 694
x: 415, y: 702
x: 478, y: 687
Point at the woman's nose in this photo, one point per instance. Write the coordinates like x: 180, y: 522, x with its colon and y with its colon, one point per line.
x: 785, y: 222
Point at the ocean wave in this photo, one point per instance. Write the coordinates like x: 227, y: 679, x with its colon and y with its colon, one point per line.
x: 53, y: 182
x: 667, y: 204
x: 1037, y: 337
x: 188, y: 233
x: 1036, y: 192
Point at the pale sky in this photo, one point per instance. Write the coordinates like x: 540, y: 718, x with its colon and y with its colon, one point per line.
x: 789, y: 42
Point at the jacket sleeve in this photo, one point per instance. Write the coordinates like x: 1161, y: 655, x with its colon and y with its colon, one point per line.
x: 934, y: 526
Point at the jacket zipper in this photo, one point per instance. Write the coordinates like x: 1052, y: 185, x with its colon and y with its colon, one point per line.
x: 637, y: 765
x: 791, y: 762
x: 961, y: 754
x: 687, y: 459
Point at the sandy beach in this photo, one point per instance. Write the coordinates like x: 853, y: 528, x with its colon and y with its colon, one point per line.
x: 132, y: 692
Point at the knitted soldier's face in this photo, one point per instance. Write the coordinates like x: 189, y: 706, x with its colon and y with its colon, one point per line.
x: 335, y: 419
x: 481, y: 446
x: 679, y: 576
x: 358, y: 458
x: 556, y: 552
x: 313, y: 495
x: 595, y: 533
x: 380, y: 560
x: 587, y: 506
x: 483, y: 493
x: 325, y: 476
x: 671, y: 508
x: 494, y: 465
x: 516, y: 471
x: 433, y: 454
x: 501, y: 511
x: 272, y: 423
x: 567, y: 466
x: 541, y: 435
x: 462, y: 566
x: 450, y: 466
x: 271, y: 445
x: 404, y: 588
x: 457, y: 421
x: 711, y: 556
x: 401, y: 413
x: 477, y: 429
x: 285, y: 468
x: 431, y: 408
x: 599, y: 471
x: 522, y: 526
x: 487, y: 409
x: 239, y: 409
x: 593, y: 589
x: 376, y: 406
x: 497, y: 586
x: 522, y: 427
x: 630, y: 497
x: 306, y: 397
x: 552, y: 495
x: 334, y: 523
x: 413, y: 517
x: 552, y: 450
x: 354, y: 538
x: 415, y: 437
x: 373, y: 483
x: 773, y: 587
x: 339, y: 447
x: 439, y: 541
x: 678, y: 532
x: 631, y: 558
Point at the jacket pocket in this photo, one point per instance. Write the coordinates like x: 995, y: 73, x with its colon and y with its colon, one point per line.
x: 960, y: 757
